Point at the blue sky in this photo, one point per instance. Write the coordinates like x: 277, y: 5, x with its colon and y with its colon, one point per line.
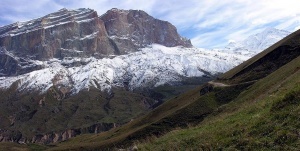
x: 208, y: 23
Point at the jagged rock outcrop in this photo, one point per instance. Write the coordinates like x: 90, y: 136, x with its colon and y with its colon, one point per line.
x: 61, y: 34
x: 53, y: 137
x: 133, y: 29
x: 11, y: 65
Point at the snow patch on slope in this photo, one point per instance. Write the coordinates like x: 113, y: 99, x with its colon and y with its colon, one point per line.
x: 152, y: 66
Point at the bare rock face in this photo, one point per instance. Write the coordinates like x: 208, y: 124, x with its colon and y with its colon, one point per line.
x: 65, y: 33
x: 80, y: 33
x: 133, y: 29
x: 10, y: 65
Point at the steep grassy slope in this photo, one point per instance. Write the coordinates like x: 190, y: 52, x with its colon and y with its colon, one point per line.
x: 264, y: 117
x: 192, y: 107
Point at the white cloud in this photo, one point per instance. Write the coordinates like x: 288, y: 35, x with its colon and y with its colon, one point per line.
x: 241, y: 18
x: 208, y: 23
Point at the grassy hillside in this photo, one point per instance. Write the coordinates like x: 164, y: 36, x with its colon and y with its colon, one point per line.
x: 264, y: 117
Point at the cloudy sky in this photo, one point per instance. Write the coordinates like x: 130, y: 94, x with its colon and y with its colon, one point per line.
x: 208, y: 23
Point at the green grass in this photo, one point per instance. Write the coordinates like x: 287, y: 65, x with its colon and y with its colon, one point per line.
x: 254, y: 128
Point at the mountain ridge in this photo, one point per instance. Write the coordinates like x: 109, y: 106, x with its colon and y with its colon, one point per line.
x: 193, y: 56
x: 77, y: 33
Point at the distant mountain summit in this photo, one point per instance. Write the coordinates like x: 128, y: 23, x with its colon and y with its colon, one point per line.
x: 133, y: 29
x: 257, y: 42
x: 264, y: 39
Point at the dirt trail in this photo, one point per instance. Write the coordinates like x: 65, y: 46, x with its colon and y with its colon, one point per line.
x: 218, y: 84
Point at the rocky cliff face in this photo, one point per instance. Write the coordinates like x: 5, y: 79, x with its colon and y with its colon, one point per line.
x: 66, y: 33
x: 133, y: 29
x: 80, y: 33
x: 61, y: 34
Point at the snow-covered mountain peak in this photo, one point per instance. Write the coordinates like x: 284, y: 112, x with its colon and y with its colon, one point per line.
x: 264, y: 39
x: 119, y: 10
x: 257, y: 42
x: 63, y: 10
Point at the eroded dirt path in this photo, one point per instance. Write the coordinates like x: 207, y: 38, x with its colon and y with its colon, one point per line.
x: 217, y: 84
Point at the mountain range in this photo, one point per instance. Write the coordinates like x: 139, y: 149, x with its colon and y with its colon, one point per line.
x: 132, y: 60
x: 73, y: 72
